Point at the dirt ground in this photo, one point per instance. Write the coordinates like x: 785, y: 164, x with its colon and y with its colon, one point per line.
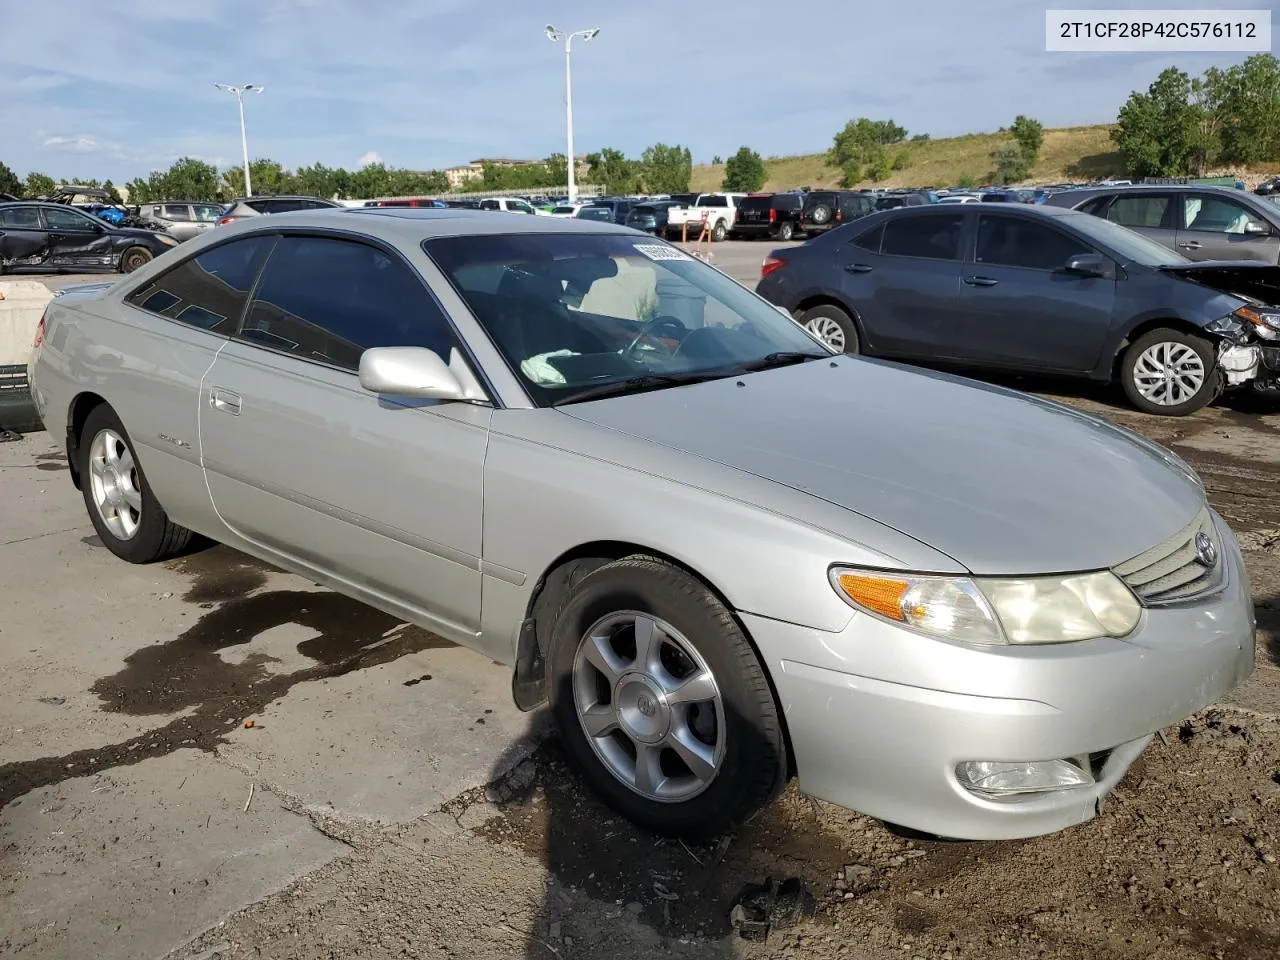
x: 1181, y: 865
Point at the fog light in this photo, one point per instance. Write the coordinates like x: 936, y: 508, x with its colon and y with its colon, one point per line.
x: 996, y: 779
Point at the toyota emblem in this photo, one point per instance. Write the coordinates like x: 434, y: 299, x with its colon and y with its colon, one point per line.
x: 1206, y: 552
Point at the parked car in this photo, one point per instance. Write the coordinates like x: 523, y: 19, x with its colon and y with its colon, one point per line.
x: 651, y: 216
x: 959, y: 198
x: 718, y: 210
x: 592, y: 212
x: 566, y: 211
x: 1036, y: 290
x: 507, y: 205
x: 526, y: 448
x: 772, y: 215
x: 53, y: 237
x: 246, y: 207
x: 893, y: 201
x: 617, y: 207
x: 7, y: 198
x: 183, y: 219
x: 1267, y: 187
x: 1202, y: 223
x: 825, y: 209
x: 429, y: 202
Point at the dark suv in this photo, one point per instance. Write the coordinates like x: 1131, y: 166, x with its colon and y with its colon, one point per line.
x: 824, y: 209
x: 772, y: 215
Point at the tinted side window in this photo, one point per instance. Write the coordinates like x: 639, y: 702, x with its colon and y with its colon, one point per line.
x: 175, y: 211
x: 210, y: 290
x: 70, y: 220
x: 1216, y: 215
x: 1141, y: 211
x: 870, y: 239
x: 1095, y: 206
x: 1014, y: 242
x: 935, y: 238
x: 21, y: 218
x: 330, y: 300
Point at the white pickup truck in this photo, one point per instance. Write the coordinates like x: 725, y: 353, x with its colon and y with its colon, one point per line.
x: 718, y: 209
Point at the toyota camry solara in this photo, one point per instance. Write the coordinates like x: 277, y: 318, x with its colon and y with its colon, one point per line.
x: 724, y: 555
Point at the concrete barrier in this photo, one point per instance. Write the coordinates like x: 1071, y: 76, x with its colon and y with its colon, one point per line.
x: 22, y: 303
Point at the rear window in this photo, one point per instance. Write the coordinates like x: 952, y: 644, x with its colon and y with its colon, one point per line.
x: 714, y: 202
x: 644, y: 210
x: 787, y: 201
x: 753, y: 204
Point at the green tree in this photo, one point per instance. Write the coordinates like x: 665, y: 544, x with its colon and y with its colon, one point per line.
x: 666, y: 169
x: 1156, y: 131
x: 1242, y: 107
x: 966, y: 182
x: 112, y: 193
x: 612, y: 170
x: 859, y: 149
x: 744, y: 172
x: 1010, y: 164
x: 38, y: 185
x: 1029, y: 135
x: 9, y: 182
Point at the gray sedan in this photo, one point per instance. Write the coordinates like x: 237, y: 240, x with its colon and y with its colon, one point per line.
x: 723, y: 554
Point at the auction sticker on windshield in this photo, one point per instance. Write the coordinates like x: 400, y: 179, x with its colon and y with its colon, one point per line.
x: 661, y: 251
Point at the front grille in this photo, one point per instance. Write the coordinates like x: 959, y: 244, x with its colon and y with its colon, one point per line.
x: 1170, y: 571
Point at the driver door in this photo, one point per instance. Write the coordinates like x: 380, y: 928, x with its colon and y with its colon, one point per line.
x: 76, y: 239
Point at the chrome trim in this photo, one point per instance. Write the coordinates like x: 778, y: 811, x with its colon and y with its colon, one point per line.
x: 1170, y: 572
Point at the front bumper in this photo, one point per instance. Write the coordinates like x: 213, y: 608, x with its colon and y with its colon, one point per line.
x: 879, y: 718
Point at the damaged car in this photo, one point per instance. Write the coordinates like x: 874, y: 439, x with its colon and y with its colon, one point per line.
x: 1036, y: 290
x: 54, y: 237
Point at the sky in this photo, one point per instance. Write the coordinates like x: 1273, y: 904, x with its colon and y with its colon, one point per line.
x: 437, y: 83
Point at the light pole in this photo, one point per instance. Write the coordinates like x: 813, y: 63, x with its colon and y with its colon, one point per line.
x: 239, y: 93
x: 555, y: 35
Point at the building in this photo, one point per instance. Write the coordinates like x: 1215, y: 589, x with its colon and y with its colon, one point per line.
x: 459, y: 176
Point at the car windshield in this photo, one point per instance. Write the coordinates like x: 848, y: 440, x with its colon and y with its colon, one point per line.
x: 1132, y: 246
x: 574, y: 313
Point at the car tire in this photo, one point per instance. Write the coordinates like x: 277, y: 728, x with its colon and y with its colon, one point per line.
x: 833, y: 327
x: 729, y: 755
x: 134, y: 258
x: 786, y: 232
x: 122, y: 507
x: 1170, y: 373
x: 719, y: 232
x: 821, y: 214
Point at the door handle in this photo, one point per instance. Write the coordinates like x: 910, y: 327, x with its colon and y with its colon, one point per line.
x: 1190, y: 245
x: 225, y: 400
x: 857, y: 268
x: 980, y: 281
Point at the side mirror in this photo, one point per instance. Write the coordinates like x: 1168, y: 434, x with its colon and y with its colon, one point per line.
x: 1086, y: 265
x: 408, y: 372
x: 1257, y: 229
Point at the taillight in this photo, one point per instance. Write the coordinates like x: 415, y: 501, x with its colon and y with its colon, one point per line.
x: 773, y: 215
x: 225, y: 220
x: 839, y: 216
x: 771, y: 263
x: 39, y: 337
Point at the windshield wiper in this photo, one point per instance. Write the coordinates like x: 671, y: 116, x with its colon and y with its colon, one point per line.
x: 647, y: 381
x: 782, y: 359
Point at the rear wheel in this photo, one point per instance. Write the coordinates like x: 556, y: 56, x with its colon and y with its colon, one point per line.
x: 1170, y: 373
x: 661, y: 701
x: 133, y: 258
x: 129, y: 520
x: 719, y: 232
x: 832, y: 326
x: 785, y: 232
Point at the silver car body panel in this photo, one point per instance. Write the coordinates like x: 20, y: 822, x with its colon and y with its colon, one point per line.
x: 449, y: 515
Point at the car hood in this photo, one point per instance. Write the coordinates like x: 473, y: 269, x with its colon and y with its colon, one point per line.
x: 1001, y: 482
x: 1249, y: 279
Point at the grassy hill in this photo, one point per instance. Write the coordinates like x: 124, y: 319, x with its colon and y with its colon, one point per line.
x: 1068, y: 153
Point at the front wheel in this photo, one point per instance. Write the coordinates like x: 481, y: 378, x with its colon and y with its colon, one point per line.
x: 786, y: 232
x: 661, y: 701
x: 719, y: 232
x: 134, y: 258
x: 1170, y: 373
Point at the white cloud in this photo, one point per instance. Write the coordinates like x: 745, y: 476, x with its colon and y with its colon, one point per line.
x: 369, y: 158
x: 80, y: 144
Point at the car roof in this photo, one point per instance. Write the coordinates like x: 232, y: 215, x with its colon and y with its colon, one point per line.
x: 411, y: 225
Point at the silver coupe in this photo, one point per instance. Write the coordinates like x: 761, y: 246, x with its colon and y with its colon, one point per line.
x: 724, y: 555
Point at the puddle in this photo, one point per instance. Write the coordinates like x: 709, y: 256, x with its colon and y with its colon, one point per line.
x: 189, y: 674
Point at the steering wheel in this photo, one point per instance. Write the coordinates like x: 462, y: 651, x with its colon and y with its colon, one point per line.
x: 648, y: 332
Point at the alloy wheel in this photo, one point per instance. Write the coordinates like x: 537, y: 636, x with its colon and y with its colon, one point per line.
x: 115, y: 484
x: 1169, y: 373
x: 828, y: 331
x: 650, y: 706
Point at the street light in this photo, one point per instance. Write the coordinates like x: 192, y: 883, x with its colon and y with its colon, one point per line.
x: 239, y: 93
x: 555, y: 36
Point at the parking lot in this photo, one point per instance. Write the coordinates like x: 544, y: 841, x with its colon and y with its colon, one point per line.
x: 209, y: 756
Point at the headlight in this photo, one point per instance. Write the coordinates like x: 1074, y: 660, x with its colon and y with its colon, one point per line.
x: 167, y: 241
x: 1266, y: 323
x: 1028, y: 610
